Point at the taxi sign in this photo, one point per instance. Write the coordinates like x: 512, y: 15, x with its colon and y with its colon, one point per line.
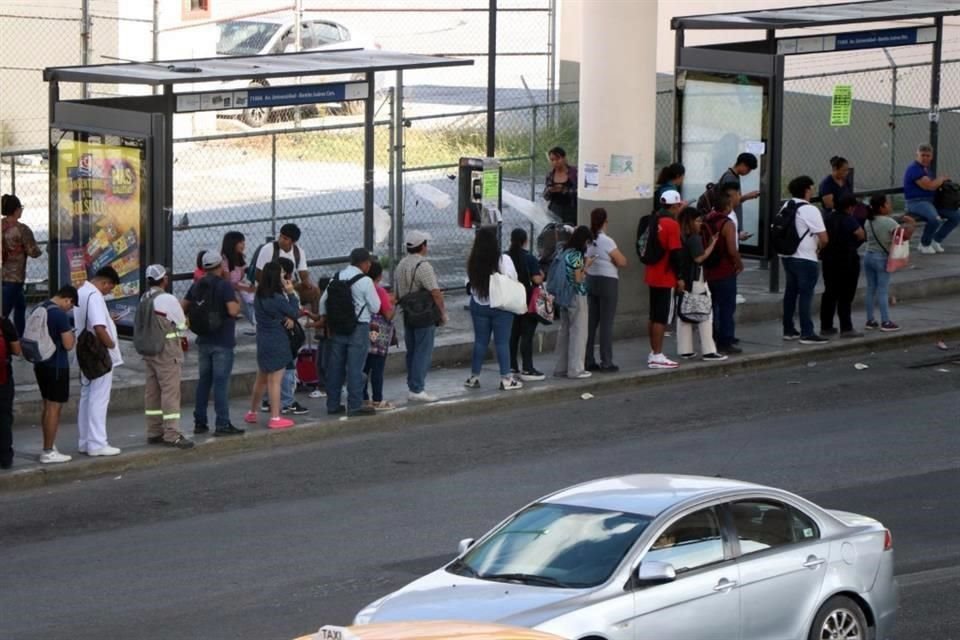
x: 333, y: 632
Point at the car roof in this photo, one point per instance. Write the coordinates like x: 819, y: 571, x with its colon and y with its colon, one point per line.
x: 284, y: 18
x: 646, y: 494
x: 439, y: 630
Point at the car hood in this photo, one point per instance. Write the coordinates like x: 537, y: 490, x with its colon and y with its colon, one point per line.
x: 445, y: 596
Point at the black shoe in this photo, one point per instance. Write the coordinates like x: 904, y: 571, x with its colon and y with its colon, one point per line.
x: 264, y: 406
x: 362, y: 411
x: 593, y: 366
x: 199, y: 429
x: 337, y: 411
x: 828, y: 332
x: 296, y: 409
x: 814, y: 339
x: 736, y: 341
x: 228, y: 430
x: 730, y: 350
x: 791, y: 335
x: 610, y: 368
x: 4, y: 464
x: 181, y: 443
x: 155, y: 440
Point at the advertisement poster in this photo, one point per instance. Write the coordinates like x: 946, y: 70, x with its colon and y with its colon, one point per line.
x: 99, y: 196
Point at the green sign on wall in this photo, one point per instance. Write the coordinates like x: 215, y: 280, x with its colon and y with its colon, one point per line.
x: 842, y: 105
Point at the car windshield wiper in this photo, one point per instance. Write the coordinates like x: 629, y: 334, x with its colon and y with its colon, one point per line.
x: 461, y: 568
x: 525, y: 578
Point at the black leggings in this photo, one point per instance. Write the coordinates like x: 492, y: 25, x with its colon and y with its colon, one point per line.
x: 6, y: 423
x: 522, y: 336
x: 840, y: 279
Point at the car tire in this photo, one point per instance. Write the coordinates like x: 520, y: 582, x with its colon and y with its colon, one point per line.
x: 258, y: 116
x: 840, y: 618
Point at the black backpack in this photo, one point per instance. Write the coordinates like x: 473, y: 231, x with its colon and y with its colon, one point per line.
x: 251, y: 272
x: 705, y: 201
x: 706, y: 235
x: 947, y: 196
x: 206, y: 311
x: 550, y: 239
x: 341, y: 316
x: 649, y: 249
x: 783, y: 229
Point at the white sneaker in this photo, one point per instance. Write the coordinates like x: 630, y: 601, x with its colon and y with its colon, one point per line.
x: 54, y: 457
x: 584, y: 374
x: 740, y: 299
x: 510, y: 384
x: 105, y: 451
x: 660, y: 361
x: 318, y: 393
x: 937, y: 246
x: 473, y: 382
x: 423, y: 396
x: 927, y: 249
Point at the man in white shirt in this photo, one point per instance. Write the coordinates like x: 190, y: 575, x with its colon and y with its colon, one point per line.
x: 161, y: 393
x: 348, y: 351
x: 286, y: 246
x: 802, y: 267
x: 92, y: 314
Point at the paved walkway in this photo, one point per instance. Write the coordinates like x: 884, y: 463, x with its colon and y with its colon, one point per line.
x: 923, y: 322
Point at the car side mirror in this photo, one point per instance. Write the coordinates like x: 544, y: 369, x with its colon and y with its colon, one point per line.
x: 653, y: 572
x: 464, y: 545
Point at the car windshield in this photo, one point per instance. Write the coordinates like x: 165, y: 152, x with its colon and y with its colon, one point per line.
x: 244, y: 37
x: 555, y: 545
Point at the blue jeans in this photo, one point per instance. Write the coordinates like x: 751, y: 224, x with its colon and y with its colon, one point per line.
x: 374, y: 370
x: 347, y: 356
x: 802, y: 278
x: 15, y: 301
x: 419, y: 344
x: 487, y: 320
x: 724, y: 294
x: 933, y: 229
x: 216, y: 365
x: 878, y: 285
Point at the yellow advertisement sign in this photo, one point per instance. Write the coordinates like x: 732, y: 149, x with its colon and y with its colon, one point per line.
x: 99, y: 193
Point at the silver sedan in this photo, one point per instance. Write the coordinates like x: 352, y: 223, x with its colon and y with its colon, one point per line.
x: 667, y: 557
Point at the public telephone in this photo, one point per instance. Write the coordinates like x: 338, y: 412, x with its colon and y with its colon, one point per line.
x: 473, y: 209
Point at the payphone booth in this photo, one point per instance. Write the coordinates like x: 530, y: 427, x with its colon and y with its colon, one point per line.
x: 730, y: 96
x: 111, y: 159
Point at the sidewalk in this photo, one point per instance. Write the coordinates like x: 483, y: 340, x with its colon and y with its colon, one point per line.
x: 923, y: 323
x: 929, y: 277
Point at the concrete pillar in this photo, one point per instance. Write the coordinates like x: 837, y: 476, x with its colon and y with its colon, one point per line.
x: 618, y: 130
x: 569, y: 25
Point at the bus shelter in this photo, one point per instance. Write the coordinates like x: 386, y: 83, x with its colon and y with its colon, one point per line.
x: 111, y: 159
x: 730, y: 96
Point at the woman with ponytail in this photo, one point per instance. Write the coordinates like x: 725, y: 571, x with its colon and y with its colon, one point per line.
x: 602, y: 288
x: 18, y: 243
x: 879, y: 229
x: 525, y: 325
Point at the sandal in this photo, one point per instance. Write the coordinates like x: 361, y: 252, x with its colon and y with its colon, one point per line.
x: 383, y: 405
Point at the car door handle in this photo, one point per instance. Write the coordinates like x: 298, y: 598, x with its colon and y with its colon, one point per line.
x: 813, y: 562
x: 724, y: 585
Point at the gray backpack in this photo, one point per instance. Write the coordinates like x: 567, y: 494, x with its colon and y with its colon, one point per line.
x: 149, y: 336
x: 36, y: 342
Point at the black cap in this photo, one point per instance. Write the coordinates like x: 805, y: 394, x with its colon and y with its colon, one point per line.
x: 290, y: 230
x: 359, y: 256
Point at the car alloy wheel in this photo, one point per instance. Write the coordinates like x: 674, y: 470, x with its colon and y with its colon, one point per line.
x: 839, y: 619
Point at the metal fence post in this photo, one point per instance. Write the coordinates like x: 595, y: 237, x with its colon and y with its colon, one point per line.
x: 13, y: 174
x: 85, y: 40
x: 397, y: 157
x: 893, y: 115
x: 273, y: 185
x: 391, y: 142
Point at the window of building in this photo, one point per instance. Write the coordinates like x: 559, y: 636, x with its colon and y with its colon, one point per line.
x: 196, y: 9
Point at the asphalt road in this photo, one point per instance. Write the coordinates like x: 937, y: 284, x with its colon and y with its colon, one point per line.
x: 272, y: 544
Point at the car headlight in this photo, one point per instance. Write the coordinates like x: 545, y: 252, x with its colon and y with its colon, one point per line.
x: 366, y: 614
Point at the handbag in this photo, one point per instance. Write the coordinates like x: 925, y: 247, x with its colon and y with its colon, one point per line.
x: 541, y: 304
x: 297, y: 337
x: 419, y: 308
x: 92, y: 355
x: 507, y: 294
x: 899, y: 255
x: 697, y: 305
x: 382, y: 335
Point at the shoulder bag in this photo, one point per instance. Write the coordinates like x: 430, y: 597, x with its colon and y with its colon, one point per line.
x: 419, y: 308
x: 92, y: 355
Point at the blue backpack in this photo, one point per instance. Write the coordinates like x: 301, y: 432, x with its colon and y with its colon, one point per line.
x: 558, y: 284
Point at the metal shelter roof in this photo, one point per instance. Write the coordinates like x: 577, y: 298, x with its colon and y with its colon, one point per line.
x: 304, y: 63
x: 821, y: 15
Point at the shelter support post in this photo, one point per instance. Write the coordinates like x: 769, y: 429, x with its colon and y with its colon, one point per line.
x: 368, y: 158
x: 397, y: 155
x: 492, y: 80
x: 935, y: 73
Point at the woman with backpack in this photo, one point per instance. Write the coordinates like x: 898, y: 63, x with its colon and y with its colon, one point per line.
x: 18, y: 244
x: 574, y: 318
x: 879, y: 230
x: 524, y: 325
x: 484, y: 261
x: 692, y: 256
x: 841, y: 268
x: 277, y: 307
x: 602, y: 289
x: 233, y: 248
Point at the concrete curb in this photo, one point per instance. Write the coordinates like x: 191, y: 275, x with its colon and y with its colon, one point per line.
x: 455, y: 354
x: 427, y: 414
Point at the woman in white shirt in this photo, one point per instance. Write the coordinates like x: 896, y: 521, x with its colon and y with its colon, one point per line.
x: 602, y: 288
x: 485, y: 260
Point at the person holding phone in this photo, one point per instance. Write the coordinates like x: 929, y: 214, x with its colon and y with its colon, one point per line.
x: 572, y: 337
x: 561, y: 187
